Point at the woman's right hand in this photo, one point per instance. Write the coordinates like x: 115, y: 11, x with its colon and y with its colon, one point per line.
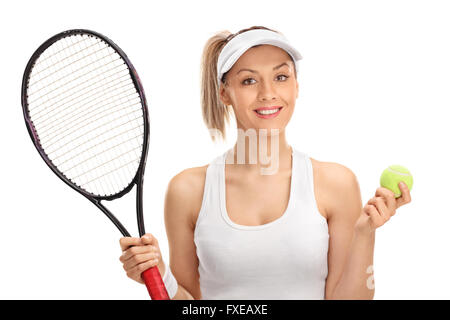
x: 140, y: 254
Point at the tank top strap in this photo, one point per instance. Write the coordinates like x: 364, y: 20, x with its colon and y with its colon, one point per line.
x: 300, y: 175
x: 304, y: 189
x: 209, y: 210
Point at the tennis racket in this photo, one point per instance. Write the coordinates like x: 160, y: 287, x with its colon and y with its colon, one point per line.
x: 86, y: 112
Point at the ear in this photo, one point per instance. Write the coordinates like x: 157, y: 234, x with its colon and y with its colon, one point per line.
x: 223, y: 95
x: 296, y: 86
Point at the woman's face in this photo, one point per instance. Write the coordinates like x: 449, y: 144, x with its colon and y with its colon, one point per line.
x: 263, y: 77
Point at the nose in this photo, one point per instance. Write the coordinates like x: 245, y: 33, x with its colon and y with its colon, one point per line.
x: 266, y: 91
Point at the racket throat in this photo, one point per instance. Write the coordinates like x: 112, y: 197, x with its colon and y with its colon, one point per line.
x: 111, y: 217
x: 140, y: 206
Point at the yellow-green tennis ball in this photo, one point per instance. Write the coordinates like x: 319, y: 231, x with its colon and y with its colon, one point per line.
x: 391, y: 177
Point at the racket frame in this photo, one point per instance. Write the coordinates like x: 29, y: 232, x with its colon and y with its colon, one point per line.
x: 138, y: 179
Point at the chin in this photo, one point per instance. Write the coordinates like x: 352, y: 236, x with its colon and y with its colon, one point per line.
x: 270, y: 130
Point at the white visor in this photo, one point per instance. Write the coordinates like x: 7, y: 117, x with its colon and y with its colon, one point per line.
x: 244, y: 41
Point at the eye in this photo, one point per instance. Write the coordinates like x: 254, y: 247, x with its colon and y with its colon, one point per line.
x: 245, y: 82
x: 282, y: 75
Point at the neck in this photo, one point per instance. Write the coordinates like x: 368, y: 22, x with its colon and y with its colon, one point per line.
x: 266, y: 151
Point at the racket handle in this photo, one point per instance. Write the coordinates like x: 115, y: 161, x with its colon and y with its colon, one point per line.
x: 155, y: 284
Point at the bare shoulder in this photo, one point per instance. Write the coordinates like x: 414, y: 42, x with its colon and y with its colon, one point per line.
x: 190, y: 177
x: 337, y: 173
x: 333, y: 183
x: 186, y: 190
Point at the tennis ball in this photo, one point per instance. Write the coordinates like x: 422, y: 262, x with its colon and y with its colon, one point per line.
x: 392, y: 175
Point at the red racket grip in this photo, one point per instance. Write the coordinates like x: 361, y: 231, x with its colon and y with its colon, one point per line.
x: 155, y: 284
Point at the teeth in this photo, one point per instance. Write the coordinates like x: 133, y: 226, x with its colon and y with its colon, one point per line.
x: 268, y: 111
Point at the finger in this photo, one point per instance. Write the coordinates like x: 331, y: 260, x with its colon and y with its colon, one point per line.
x: 384, y: 211
x: 127, y: 242
x: 131, y: 252
x: 389, y: 197
x: 137, y: 270
x: 375, y: 217
x: 140, y: 258
x: 148, y: 238
x: 380, y: 204
x: 406, y: 195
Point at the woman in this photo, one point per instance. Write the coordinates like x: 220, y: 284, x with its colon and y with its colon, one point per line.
x: 242, y: 231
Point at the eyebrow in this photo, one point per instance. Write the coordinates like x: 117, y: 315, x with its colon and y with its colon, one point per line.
x: 275, y: 68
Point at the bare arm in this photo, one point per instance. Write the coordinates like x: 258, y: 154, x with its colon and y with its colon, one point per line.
x: 349, y: 255
x: 352, y: 234
x: 183, y: 198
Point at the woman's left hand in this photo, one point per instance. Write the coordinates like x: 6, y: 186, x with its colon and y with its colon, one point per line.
x: 381, y: 208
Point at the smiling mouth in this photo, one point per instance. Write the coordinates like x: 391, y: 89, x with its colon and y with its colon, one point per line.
x: 268, y: 112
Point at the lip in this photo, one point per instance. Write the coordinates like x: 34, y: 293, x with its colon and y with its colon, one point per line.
x: 269, y: 108
x: 268, y: 116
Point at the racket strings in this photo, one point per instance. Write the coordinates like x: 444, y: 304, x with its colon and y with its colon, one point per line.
x: 111, y: 181
x: 73, y: 123
x: 59, y: 62
x: 58, y: 105
x: 117, y: 178
x: 114, y: 146
x: 105, y: 141
x: 87, y: 114
x: 46, y: 55
x: 101, y: 126
x: 109, y: 172
x: 60, y: 125
x: 103, y: 163
x: 47, y: 94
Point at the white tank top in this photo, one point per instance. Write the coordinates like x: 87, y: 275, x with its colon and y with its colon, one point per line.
x: 283, y: 259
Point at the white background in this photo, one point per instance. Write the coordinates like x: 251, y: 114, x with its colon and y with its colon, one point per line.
x: 374, y: 91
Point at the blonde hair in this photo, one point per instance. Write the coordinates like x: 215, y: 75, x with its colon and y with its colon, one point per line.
x: 215, y: 114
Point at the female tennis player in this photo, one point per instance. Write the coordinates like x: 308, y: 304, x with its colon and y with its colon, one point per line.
x: 278, y: 225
